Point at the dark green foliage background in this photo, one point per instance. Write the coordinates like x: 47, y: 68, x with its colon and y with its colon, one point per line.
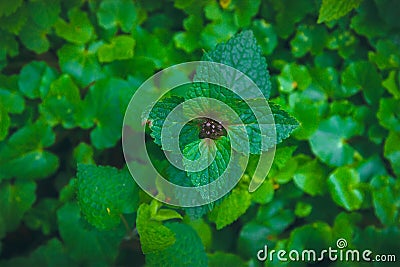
x: 69, y: 68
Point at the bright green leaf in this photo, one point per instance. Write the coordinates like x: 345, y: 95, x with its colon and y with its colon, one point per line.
x: 154, y: 236
x: 113, y: 13
x: 343, y: 185
x: 80, y: 63
x: 62, y: 104
x: 385, y: 199
x: 329, y: 142
x: 335, y: 9
x: 231, y: 208
x: 392, y: 151
x: 79, y: 30
x: 23, y: 155
x: 121, y: 47
x: 388, y: 113
x: 35, y: 79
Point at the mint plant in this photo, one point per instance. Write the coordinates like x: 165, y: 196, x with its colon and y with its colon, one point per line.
x: 329, y: 70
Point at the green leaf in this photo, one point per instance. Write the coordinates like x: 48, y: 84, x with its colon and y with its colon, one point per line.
x: 4, y: 123
x: 343, y: 185
x: 105, y: 108
x: 8, y: 7
x: 12, y: 101
x: 62, y: 104
x: 23, y: 155
x: 154, y: 236
x: 302, y: 209
x: 120, y: 13
x: 285, y: 124
x: 317, y: 236
x: 245, y: 10
x: 121, y: 47
x: 311, y: 178
x: 362, y: 75
x: 51, y: 254
x: 79, y: 30
x: 104, y: 194
x: 186, y: 251
x: 264, y: 193
x: 243, y: 53
x: 252, y: 237
x: 367, y: 22
x: 231, y: 208
x: 219, y: 147
x: 85, y: 244
x: 275, y: 216
x: 80, y: 63
x: 44, y: 13
x: 187, y: 40
x: 35, y: 79
x: 385, y: 199
x: 8, y: 46
x: 388, y: 113
x: 42, y: 216
x: 203, y: 230
x: 392, y: 151
x: 294, y: 76
x: 15, y: 200
x: 266, y: 35
x: 15, y: 21
x: 335, y: 9
x: 83, y: 153
x: 386, y: 56
x: 309, y: 39
x: 290, y: 12
x: 166, y: 214
x: 219, y: 259
x: 392, y: 84
x: 329, y: 142
x: 34, y: 37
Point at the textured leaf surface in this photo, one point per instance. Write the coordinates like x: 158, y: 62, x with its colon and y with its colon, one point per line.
x: 334, y: 9
x: 104, y: 194
x: 154, y: 236
x: 186, y: 251
x: 231, y: 208
x: 243, y: 53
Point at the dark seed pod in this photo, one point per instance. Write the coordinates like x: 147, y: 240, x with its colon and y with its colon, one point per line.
x: 211, y: 129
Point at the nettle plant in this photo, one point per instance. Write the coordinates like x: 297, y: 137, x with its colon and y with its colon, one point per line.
x: 106, y: 195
